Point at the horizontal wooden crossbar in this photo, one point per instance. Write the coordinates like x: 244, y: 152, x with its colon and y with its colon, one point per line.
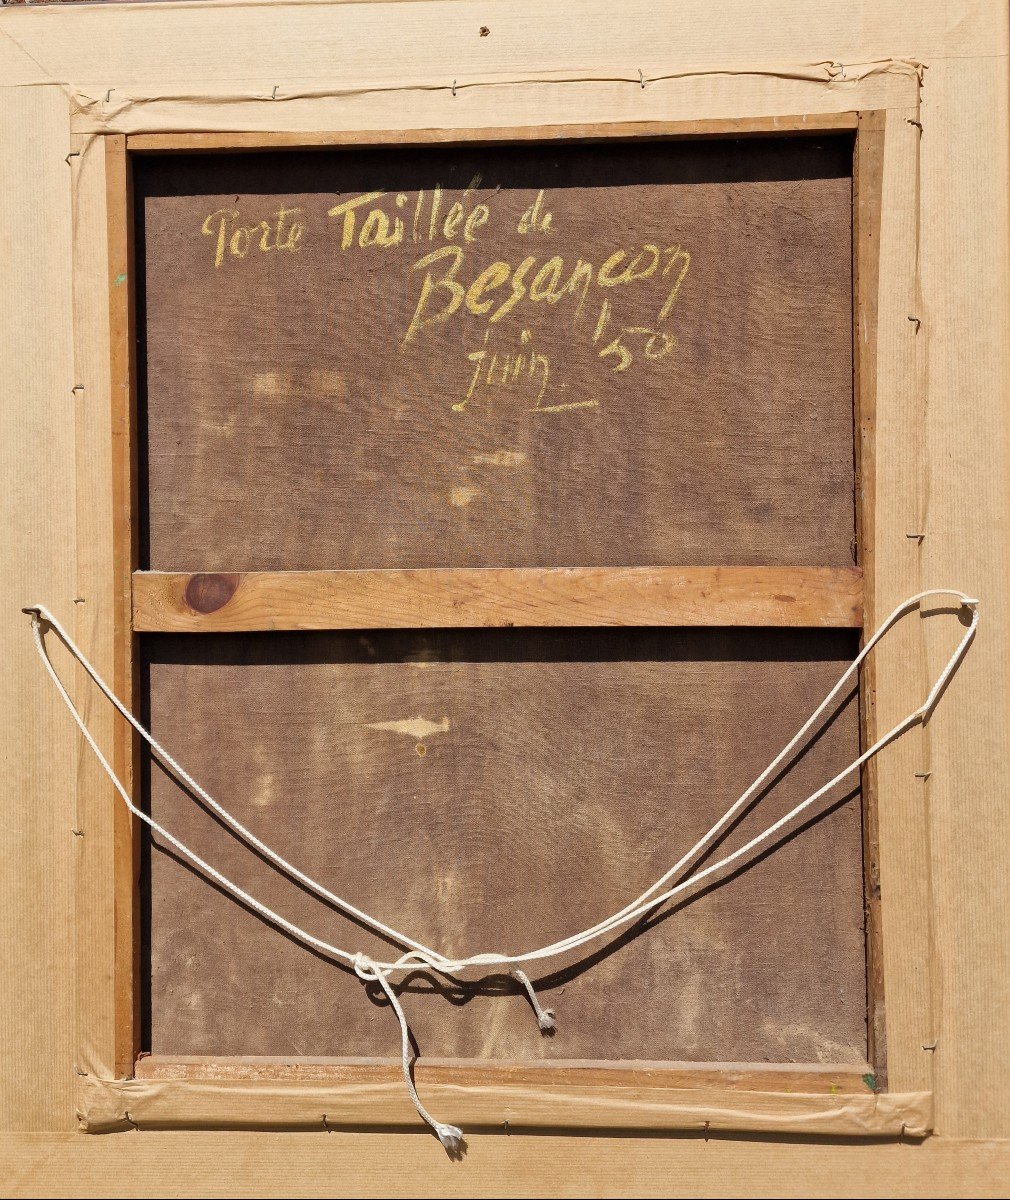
x: 476, y: 597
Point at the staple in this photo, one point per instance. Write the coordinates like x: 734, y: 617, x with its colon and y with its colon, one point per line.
x: 931, y: 1046
x: 917, y: 124
x: 77, y: 832
x: 325, y: 1125
x: 108, y: 95
x: 915, y: 536
x: 840, y: 68
x: 641, y: 77
x: 273, y: 94
x: 454, y: 87
x: 916, y: 322
x: 78, y: 387
x: 78, y: 599
x: 130, y: 1121
x: 72, y: 154
x: 706, y: 1128
x: 923, y: 774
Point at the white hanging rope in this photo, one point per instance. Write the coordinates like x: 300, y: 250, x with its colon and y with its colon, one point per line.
x: 366, y: 970
x: 419, y: 955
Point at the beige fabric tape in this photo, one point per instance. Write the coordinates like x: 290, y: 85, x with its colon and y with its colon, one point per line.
x: 109, y: 1105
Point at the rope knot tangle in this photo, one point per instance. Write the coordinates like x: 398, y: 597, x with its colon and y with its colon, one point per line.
x: 686, y: 874
x: 365, y: 968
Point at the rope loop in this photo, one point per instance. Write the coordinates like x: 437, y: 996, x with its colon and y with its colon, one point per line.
x: 418, y: 956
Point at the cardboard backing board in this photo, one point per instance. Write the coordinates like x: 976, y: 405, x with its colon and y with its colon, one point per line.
x: 944, y: 246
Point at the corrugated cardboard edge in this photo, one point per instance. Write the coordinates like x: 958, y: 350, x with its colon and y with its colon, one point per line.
x: 964, y: 249
x: 107, y: 1106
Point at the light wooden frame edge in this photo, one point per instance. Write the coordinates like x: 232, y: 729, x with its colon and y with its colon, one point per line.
x: 193, y: 143
x: 126, y: 746
x: 867, y: 183
x: 868, y: 128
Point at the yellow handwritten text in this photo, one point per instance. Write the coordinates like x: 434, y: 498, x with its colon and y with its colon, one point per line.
x: 657, y: 343
x: 429, y: 224
x: 535, y: 219
x: 281, y: 232
x: 443, y: 293
x: 525, y: 371
x: 505, y: 369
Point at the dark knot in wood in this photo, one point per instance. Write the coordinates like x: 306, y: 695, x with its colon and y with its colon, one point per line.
x: 208, y: 593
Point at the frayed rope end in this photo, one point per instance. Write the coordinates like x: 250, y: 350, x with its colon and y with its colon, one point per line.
x: 449, y: 1136
x: 545, y: 1016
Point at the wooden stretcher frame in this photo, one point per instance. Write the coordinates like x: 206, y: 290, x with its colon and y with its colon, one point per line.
x: 599, y: 1095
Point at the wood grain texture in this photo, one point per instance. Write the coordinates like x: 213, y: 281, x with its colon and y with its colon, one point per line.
x: 814, y: 123
x: 97, y: 627
x: 124, y: 502
x: 504, y: 788
x: 900, y: 676
x: 808, y: 1078
x: 720, y: 596
x: 294, y: 422
x: 868, y: 166
x: 807, y: 1098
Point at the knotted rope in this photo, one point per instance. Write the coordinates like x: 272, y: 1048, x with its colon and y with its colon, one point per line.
x: 420, y: 956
